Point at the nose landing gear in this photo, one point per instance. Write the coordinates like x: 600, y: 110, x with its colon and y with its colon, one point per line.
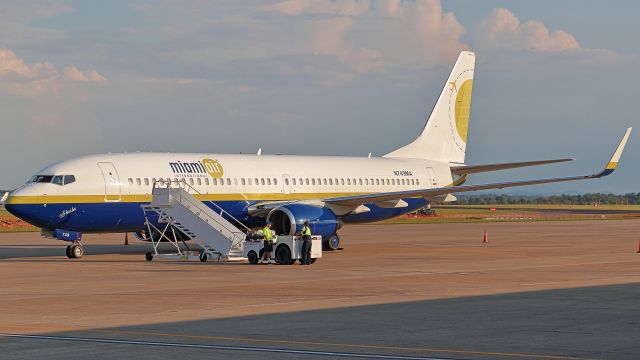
x: 75, y: 251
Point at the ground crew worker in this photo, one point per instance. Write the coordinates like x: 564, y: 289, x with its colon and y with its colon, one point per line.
x: 305, y: 252
x: 268, y: 244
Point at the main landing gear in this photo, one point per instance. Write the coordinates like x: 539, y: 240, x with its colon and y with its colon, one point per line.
x: 332, y: 243
x: 75, y: 251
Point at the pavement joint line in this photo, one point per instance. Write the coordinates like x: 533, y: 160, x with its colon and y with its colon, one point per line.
x: 220, y: 347
x: 343, y: 345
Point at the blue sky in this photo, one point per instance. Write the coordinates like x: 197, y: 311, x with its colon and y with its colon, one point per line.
x: 344, y: 77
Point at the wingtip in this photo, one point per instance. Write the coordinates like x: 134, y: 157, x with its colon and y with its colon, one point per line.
x: 615, y: 159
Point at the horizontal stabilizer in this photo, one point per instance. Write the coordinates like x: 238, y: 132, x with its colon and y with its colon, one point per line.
x: 472, y: 169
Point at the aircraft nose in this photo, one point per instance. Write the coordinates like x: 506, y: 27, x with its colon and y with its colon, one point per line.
x: 35, y: 214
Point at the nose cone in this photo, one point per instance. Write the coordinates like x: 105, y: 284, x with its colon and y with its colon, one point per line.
x: 25, y: 208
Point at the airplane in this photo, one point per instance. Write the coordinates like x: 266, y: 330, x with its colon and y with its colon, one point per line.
x: 104, y: 193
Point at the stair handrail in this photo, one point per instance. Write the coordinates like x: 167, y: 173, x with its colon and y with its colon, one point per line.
x: 236, y: 233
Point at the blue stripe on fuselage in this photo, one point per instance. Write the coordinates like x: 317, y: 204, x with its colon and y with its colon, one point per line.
x: 128, y: 216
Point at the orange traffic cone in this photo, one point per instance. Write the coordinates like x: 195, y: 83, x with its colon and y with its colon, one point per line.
x: 126, y: 239
x: 485, y: 238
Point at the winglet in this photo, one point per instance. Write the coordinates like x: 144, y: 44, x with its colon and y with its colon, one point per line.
x: 613, y: 163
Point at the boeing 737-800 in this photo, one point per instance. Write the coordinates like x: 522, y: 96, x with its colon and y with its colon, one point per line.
x: 104, y: 193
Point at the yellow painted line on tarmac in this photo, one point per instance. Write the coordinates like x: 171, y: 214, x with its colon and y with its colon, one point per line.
x: 343, y: 345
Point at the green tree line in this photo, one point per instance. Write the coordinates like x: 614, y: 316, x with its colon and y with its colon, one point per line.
x: 583, y: 199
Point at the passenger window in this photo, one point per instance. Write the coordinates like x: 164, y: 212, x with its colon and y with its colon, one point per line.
x: 191, y: 182
x: 68, y: 179
x: 262, y: 181
x: 130, y: 180
x: 286, y: 181
x: 138, y: 182
x: 324, y: 181
x: 268, y: 181
x: 348, y: 181
x: 229, y: 181
x: 360, y: 181
x: 57, y: 180
x: 377, y: 181
x: 330, y: 181
x: 275, y: 181
x: 413, y: 181
x: 313, y: 181
x: 243, y: 181
x: 221, y: 182
x: 146, y: 181
x: 206, y: 182
x: 257, y: 183
x: 306, y: 181
x: 292, y: 180
x: 250, y: 182
x: 402, y: 181
x: 235, y: 181
x: 342, y: 181
x: 199, y: 181
x: 417, y: 181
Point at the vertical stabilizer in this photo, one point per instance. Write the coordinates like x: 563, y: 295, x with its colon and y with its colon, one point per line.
x: 444, y: 137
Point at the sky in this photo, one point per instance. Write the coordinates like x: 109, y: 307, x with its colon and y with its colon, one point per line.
x: 553, y: 79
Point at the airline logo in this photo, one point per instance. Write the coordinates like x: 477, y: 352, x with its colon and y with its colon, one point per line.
x: 198, y: 169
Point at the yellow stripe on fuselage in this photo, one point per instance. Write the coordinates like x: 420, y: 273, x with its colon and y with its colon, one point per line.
x: 142, y: 198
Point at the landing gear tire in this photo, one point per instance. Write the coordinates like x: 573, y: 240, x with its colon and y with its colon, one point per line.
x: 204, y: 257
x: 148, y: 256
x: 332, y: 243
x: 252, y: 257
x: 76, y: 251
x: 68, y: 252
x: 283, y: 255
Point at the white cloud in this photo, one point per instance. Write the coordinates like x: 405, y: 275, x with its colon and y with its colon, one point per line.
x: 20, y: 78
x: 368, y: 35
x: 502, y: 29
x: 72, y: 73
x: 335, y: 7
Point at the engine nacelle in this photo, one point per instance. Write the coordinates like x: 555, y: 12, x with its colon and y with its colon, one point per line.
x: 289, y: 219
x: 143, y: 235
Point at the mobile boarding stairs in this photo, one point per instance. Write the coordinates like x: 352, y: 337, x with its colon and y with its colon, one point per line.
x: 182, y: 216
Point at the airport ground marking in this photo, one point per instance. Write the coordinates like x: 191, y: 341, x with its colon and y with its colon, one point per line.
x: 218, y: 347
x: 344, y: 345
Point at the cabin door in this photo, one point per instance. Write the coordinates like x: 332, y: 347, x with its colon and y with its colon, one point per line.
x: 111, y: 181
x: 286, y: 184
x: 432, y: 179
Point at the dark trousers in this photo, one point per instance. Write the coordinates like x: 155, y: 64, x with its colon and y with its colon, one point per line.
x: 305, y: 252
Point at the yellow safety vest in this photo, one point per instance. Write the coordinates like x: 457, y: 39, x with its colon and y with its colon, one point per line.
x: 268, y: 235
x: 305, y: 231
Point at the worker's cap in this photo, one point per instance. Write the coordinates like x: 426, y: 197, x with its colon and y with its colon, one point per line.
x: 269, y: 223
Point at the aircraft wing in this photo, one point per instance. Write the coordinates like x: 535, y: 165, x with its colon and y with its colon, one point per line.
x: 397, y: 195
x: 472, y: 169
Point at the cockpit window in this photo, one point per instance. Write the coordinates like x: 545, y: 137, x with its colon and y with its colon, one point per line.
x: 57, y: 180
x: 41, y: 178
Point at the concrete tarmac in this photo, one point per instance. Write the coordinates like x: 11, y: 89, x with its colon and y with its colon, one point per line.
x: 539, y: 290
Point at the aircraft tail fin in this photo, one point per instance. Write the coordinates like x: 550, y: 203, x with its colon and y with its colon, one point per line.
x: 444, y: 137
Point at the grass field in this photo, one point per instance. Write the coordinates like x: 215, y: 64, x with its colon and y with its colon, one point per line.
x: 459, y: 214
x: 547, y: 207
